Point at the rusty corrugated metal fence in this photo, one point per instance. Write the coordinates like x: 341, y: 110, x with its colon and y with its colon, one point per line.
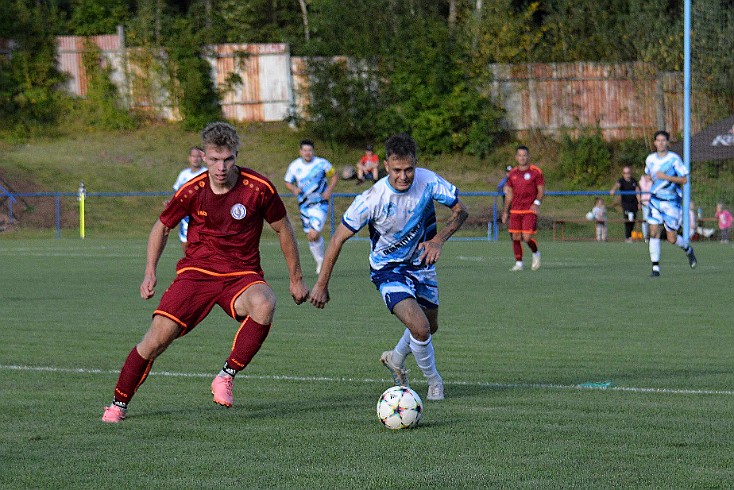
x: 262, y: 82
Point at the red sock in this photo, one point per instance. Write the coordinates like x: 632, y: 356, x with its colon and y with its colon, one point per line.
x: 533, y: 245
x: 517, y: 248
x: 247, y: 342
x: 132, y: 375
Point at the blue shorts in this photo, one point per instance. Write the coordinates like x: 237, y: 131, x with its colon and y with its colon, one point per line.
x: 313, y: 216
x: 398, y: 283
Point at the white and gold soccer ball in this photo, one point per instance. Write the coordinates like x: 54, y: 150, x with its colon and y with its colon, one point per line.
x: 590, y: 216
x: 399, y: 407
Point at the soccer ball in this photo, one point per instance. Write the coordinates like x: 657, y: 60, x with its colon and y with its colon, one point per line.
x: 590, y: 216
x: 399, y: 407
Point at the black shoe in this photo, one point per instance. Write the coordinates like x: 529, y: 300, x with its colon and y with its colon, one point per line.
x: 692, y: 260
x: 655, y: 274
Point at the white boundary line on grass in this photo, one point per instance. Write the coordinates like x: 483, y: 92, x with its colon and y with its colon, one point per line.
x: 671, y: 391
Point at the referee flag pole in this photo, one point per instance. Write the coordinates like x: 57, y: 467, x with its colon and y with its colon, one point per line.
x: 687, y: 115
x: 82, y: 196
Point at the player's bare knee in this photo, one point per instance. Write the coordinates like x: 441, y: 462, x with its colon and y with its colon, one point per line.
x: 312, y: 235
x: 260, y: 306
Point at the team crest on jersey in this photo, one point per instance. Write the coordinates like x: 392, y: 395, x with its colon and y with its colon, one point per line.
x: 526, y: 176
x: 238, y: 211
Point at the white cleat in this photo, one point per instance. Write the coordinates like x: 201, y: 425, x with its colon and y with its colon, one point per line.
x: 536, y: 262
x: 516, y: 267
x: 399, y: 376
x: 435, y: 391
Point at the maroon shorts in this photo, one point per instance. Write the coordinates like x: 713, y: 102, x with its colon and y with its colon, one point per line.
x: 192, y: 295
x: 523, y: 222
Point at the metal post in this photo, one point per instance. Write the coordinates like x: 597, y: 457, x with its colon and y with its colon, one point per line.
x: 82, y: 196
x: 58, y: 215
x: 687, y: 115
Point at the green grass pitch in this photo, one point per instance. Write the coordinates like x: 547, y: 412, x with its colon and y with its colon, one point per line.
x: 513, y: 349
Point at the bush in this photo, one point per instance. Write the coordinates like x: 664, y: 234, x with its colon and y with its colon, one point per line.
x: 343, y: 100
x: 585, y: 161
x: 103, y: 107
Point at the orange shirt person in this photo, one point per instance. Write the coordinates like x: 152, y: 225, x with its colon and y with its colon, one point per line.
x: 368, y: 166
x: 524, y: 192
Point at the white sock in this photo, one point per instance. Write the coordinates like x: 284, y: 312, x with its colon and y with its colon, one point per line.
x: 317, y: 249
x: 654, y: 249
x: 402, y: 349
x: 681, y: 242
x: 424, y: 357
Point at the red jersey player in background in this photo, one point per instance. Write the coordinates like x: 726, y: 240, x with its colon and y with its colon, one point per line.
x: 523, y: 194
x: 227, y: 206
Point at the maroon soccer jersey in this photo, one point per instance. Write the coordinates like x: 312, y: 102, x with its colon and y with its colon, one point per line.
x: 524, y: 184
x: 224, y: 229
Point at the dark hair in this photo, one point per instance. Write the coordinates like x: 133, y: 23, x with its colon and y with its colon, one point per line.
x: 197, y: 148
x: 306, y: 143
x: 664, y: 133
x: 401, y: 145
x: 369, y: 148
x: 522, y: 147
x: 220, y: 135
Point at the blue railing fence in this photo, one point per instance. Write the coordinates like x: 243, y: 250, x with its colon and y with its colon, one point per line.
x: 339, y: 201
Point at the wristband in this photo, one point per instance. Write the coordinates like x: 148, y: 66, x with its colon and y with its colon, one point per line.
x: 536, y: 202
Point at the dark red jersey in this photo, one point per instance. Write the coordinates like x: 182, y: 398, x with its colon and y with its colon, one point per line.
x: 224, y: 229
x: 524, y: 184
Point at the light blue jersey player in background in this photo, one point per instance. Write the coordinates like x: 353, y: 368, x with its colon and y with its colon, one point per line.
x: 668, y: 174
x: 312, y: 179
x: 400, y: 215
x: 195, y: 168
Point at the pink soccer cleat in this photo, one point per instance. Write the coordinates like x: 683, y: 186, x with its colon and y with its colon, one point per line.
x: 222, y: 390
x: 113, y: 414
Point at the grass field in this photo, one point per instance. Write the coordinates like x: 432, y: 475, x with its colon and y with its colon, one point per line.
x: 513, y: 350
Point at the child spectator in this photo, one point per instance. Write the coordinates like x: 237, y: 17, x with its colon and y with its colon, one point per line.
x: 725, y: 221
x: 599, y: 213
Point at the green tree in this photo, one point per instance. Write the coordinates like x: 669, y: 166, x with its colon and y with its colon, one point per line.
x: 103, y: 106
x: 30, y: 80
x: 587, y: 160
x: 193, y: 89
x: 95, y: 17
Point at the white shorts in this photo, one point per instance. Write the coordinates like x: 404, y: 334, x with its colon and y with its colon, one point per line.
x: 669, y: 213
x: 400, y: 282
x: 313, y: 216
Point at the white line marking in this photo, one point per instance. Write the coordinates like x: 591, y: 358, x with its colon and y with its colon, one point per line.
x: 327, y: 379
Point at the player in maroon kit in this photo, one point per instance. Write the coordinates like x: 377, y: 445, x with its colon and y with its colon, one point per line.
x: 523, y: 194
x: 227, y: 207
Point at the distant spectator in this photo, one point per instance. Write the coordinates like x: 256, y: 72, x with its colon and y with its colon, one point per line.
x: 599, y: 215
x: 725, y: 222
x: 368, y: 166
x: 630, y: 202
x: 692, y: 223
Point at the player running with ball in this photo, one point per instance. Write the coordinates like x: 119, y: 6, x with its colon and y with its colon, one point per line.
x: 400, y: 214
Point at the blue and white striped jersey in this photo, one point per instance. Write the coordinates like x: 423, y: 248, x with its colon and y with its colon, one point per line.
x: 311, y: 178
x: 670, y: 164
x: 400, y: 221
